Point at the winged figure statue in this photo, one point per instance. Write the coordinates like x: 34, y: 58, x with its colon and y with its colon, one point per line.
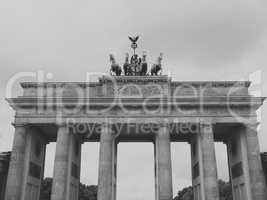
x: 133, y: 39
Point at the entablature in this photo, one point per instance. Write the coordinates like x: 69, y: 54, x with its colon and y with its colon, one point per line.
x: 135, y: 86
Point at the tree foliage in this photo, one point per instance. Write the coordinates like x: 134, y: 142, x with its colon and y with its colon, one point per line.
x: 90, y: 192
x: 225, y: 192
x: 85, y: 192
x: 46, y: 187
x: 185, y: 194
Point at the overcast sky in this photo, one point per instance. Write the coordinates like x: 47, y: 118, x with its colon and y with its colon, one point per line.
x: 201, y: 40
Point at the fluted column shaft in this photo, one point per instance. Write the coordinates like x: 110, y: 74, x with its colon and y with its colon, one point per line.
x: 16, y: 166
x: 61, y: 164
x: 209, y: 167
x: 257, y: 180
x: 26, y: 164
x: 107, y: 172
x: 163, y: 168
x: 67, y: 166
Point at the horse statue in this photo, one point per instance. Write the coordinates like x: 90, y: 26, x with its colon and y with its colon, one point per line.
x: 115, y: 68
x: 126, y: 66
x: 156, y: 68
x: 143, y: 65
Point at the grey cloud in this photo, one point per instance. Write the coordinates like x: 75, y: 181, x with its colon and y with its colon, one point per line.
x: 69, y: 38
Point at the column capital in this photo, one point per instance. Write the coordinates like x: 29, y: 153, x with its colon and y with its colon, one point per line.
x: 106, y: 133
x: 205, y: 122
x: 205, y: 126
x: 65, y: 126
x: 163, y: 131
x: 252, y: 125
x: 206, y: 131
x: 225, y: 141
x: 60, y: 125
x: 164, y: 125
x: 106, y: 125
x: 250, y: 129
x: 47, y: 142
x: 106, y: 128
x: 16, y: 125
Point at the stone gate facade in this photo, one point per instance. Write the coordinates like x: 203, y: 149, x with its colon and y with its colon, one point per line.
x: 135, y: 108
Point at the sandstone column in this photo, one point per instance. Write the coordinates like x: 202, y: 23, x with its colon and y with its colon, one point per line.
x: 107, y: 165
x: 238, y: 164
x: 163, y: 169
x: 16, y: 166
x: 257, y: 180
x: 67, y: 166
x: 27, y: 164
x: 114, y: 174
x: 209, y: 162
x: 204, y: 169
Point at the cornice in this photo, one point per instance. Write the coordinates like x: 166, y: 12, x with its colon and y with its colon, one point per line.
x: 212, y: 83
x: 58, y: 84
x: 99, y: 100
x: 138, y: 79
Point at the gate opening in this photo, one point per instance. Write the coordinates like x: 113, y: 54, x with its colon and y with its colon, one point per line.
x: 135, y: 177
x: 89, y: 163
x: 222, y: 161
x: 181, y: 166
x: 49, y: 160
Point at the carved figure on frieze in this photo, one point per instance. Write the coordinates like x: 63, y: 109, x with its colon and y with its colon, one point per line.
x: 130, y: 90
x: 152, y: 90
x: 157, y: 67
x: 115, y: 68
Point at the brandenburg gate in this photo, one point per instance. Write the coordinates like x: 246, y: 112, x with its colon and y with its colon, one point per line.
x: 141, y: 109
x: 135, y: 107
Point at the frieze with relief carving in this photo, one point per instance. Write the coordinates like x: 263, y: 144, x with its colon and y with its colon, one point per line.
x: 136, y: 90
